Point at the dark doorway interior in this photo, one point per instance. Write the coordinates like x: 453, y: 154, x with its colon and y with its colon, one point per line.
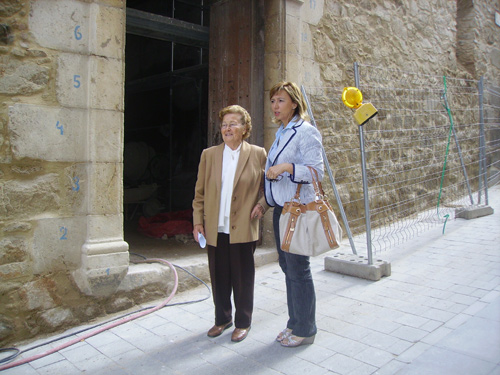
x: 166, y: 105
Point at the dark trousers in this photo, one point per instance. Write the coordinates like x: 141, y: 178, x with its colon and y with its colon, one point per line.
x: 232, y: 270
x: 300, y: 294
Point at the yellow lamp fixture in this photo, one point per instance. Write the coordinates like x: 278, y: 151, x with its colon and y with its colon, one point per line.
x: 352, y: 98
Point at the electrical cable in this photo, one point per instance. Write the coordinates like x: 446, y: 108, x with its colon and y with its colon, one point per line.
x: 124, y: 319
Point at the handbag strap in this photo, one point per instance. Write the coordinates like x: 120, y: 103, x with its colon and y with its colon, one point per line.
x: 318, y: 188
x: 297, y: 193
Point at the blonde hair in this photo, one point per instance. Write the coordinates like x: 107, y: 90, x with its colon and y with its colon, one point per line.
x: 246, y: 120
x: 295, y: 94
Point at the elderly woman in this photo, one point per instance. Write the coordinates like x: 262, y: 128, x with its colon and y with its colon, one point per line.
x: 297, y: 146
x: 226, y: 212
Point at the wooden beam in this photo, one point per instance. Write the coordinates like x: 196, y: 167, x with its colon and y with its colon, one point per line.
x: 154, y: 26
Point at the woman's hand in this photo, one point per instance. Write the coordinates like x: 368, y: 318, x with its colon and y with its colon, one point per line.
x: 257, y: 212
x: 276, y: 170
x: 198, y: 228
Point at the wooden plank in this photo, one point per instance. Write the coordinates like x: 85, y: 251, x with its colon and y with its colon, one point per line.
x: 165, y: 28
x: 236, y: 63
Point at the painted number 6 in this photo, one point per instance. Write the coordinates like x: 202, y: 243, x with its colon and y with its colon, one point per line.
x: 78, y: 34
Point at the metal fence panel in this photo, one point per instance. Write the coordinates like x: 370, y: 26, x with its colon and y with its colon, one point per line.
x: 423, y: 151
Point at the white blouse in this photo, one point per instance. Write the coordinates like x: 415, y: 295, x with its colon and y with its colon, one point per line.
x: 229, y: 162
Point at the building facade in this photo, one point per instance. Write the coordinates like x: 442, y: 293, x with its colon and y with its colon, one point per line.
x: 82, y: 82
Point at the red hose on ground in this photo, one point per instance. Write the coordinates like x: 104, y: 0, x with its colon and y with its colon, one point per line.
x: 106, y: 327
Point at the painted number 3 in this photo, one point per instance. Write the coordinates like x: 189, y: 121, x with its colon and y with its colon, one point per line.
x: 75, y: 184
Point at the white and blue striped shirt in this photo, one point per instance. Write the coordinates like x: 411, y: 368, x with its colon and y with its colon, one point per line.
x: 299, y: 144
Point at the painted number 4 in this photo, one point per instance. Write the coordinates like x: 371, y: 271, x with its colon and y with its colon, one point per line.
x: 60, y: 127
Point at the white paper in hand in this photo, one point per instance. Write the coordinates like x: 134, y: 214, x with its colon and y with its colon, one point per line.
x: 202, y: 240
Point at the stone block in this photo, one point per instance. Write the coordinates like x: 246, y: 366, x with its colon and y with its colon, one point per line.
x: 36, y: 296
x: 105, y: 189
x: 272, y: 35
x: 21, y: 77
x: 23, y: 199
x: 311, y: 74
x: 114, y: 3
x: 140, y: 276
x: 17, y: 227
x: 10, y: 7
x: 274, y: 64
x: 312, y: 11
x: 293, y: 35
x: 294, y: 68
x: 306, y: 43
x: 76, y: 85
x: 48, y: 133
x: 108, y: 37
x: 104, y: 265
x: 473, y: 212
x: 273, y: 8
x: 57, y: 317
x: 58, y: 243
x: 357, y: 266
x: 73, y: 80
x: 105, y: 227
x: 101, y: 255
x: 13, y: 271
x: 61, y: 25
x: 13, y: 250
x: 74, y: 187
x: 106, y: 133
x: 108, y: 91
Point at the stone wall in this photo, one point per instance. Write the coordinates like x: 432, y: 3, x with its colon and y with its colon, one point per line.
x: 61, y: 145
x: 431, y: 38
x: 487, y: 40
x: 322, y: 40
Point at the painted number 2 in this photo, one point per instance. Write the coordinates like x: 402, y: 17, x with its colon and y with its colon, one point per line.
x: 64, y: 232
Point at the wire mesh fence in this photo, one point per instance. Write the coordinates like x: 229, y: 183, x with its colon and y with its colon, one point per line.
x: 491, y: 118
x: 422, y: 151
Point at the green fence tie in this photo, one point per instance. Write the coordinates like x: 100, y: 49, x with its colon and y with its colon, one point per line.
x: 447, y: 150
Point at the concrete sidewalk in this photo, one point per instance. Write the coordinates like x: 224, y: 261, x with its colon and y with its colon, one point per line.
x: 438, y: 313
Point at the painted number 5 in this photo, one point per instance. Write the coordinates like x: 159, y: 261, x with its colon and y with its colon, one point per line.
x: 76, y: 80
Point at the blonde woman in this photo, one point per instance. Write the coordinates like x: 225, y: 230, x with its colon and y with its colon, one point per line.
x: 296, y: 147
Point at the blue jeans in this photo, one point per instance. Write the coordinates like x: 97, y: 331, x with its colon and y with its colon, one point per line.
x: 300, y: 294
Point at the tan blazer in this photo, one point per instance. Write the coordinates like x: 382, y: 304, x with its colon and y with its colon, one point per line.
x: 248, y: 184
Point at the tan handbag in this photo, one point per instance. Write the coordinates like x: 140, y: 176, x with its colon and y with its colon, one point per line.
x: 309, y: 229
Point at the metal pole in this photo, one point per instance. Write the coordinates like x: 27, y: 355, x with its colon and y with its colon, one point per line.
x: 330, y: 174
x: 482, y: 148
x: 365, y: 182
x: 459, y: 150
